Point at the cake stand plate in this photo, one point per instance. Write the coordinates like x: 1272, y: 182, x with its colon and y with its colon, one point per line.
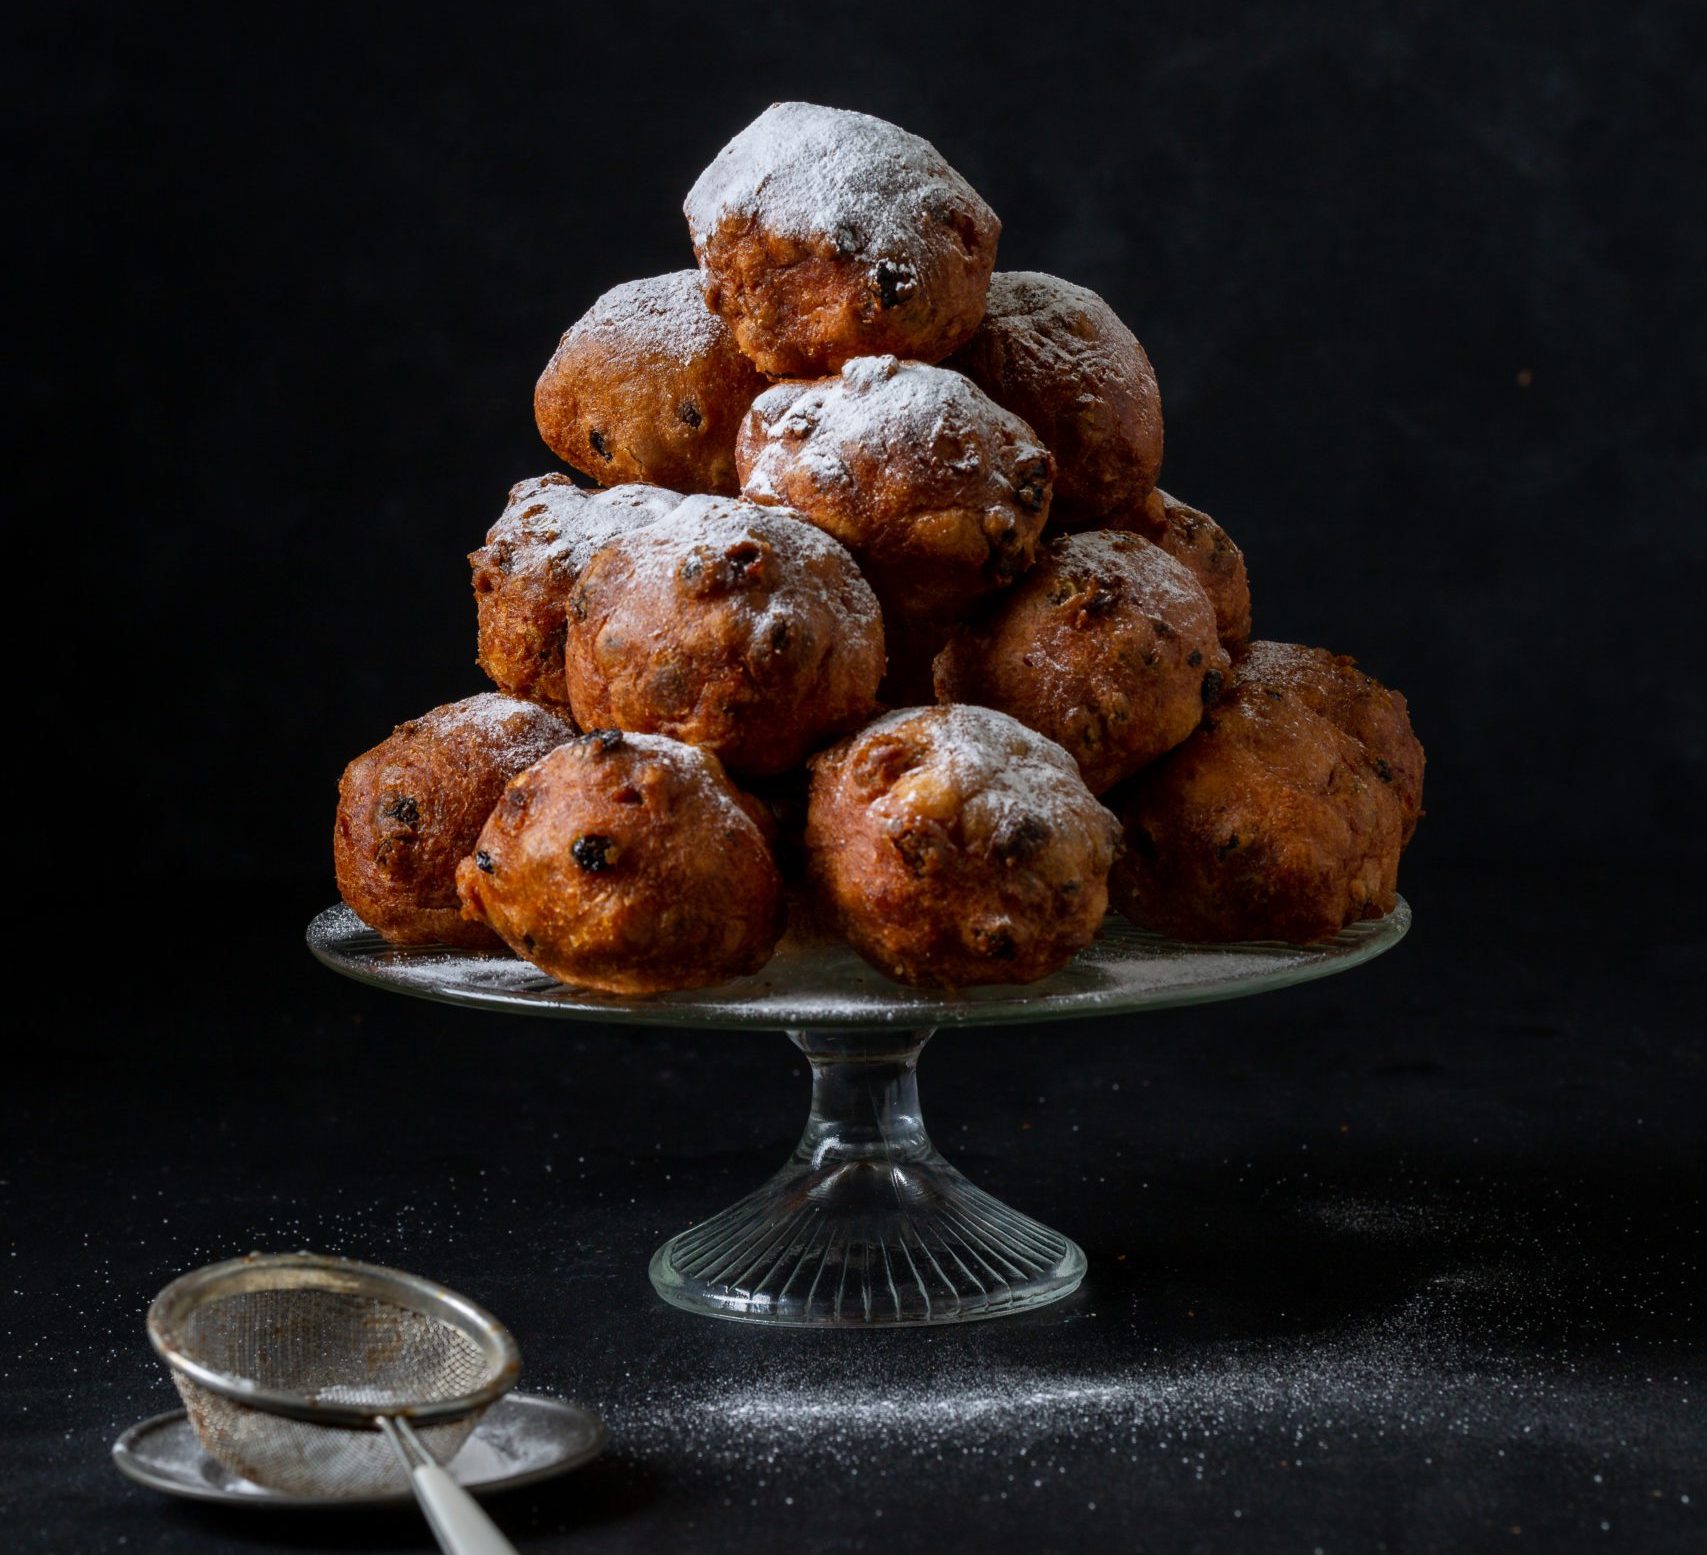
x: 866, y: 1225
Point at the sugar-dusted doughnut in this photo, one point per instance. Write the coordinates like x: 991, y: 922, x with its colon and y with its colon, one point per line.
x: 1107, y: 646
x: 648, y: 385
x: 939, y: 493
x: 627, y: 863
x: 1353, y: 700
x: 741, y: 628
x: 1058, y: 357
x: 1268, y: 823
x: 954, y: 846
x: 411, y: 807
x: 533, y: 554
x: 824, y: 235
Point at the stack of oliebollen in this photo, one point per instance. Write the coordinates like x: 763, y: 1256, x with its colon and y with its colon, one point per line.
x: 876, y: 611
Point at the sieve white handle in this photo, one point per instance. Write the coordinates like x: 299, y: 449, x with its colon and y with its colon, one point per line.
x: 456, y: 1518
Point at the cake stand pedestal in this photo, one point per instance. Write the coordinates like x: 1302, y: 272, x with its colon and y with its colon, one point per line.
x: 866, y: 1225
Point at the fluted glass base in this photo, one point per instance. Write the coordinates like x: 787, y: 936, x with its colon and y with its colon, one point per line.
x: 867, y: 1225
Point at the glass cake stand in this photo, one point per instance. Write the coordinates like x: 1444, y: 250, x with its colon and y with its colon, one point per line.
x: 866, y: 1225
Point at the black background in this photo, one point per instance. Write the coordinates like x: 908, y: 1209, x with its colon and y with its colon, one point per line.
x: 1422, y: 287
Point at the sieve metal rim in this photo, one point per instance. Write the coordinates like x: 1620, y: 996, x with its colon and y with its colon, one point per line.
x: 325, y: 1271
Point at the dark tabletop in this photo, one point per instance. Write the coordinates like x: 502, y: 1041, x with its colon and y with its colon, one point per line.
x: 1406, y: 1260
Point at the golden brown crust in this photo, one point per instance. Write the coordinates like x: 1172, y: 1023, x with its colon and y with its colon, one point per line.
x: 939, y: 493
x: 823, y: 235
x: 523, y: 573
x: 648, y: 385
x: 1332, y: 686
x: 629, y: 864
x: 740, y: 628
x: 1107, y: 646
x: 1268, y: 823
x: 1060, y: 359
x: 411, y: 807
x: 953, y: 847
x: 1194, y: 538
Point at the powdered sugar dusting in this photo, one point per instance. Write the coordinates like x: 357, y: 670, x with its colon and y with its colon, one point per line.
x: 552, y: 527
x: 693, y: 767
x: 646, y: 502
x: 1414, y: 1379
x: 881, y: 407
x: 816, y: 174
x: 515, y: 732
x: 808, y: 558
x: 1006, y: 771
x: 1165, y: 584
x: 661, y: 316
x: 1069, y: 332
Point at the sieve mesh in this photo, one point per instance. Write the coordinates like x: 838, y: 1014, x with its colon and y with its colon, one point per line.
x: 339, y: 1345
x: 304, y: 1459
x: 336, y: 1347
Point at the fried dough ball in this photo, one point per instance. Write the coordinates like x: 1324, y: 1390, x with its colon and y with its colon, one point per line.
x: 627, y: 863
x: 1208, y: 550
x: 412, y: 806
x: 648, y: 385
x: 530, y: 561
x: 1058, y: 357
x: 823, y: 235
x: 1268, y: 823
x: 939, y: 492
x: 1332, y: 686
x: 1107, y: 646
x: 954, y: 846
x: 740, y: 628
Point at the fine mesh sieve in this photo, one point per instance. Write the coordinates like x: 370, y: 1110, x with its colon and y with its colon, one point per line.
x: 293, y: 1368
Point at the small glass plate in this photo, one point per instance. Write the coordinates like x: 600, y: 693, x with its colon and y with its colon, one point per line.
x: 521, y: 1440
